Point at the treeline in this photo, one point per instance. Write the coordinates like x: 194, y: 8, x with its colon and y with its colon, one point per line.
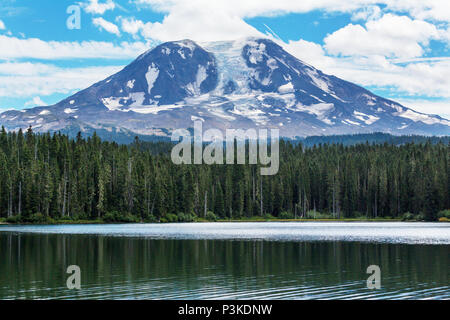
x: 52, y: 176
x: 372, y: 138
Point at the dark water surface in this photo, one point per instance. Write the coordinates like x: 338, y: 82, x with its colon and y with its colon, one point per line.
x: 199, y: 261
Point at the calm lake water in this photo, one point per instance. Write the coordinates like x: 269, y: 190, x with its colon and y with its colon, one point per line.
x: 226, y: 261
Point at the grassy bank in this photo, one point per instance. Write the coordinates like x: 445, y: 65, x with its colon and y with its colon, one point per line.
x: 49, y: 221
x: 202, y: 220
x: 311, y: 220
x: 115, y: 217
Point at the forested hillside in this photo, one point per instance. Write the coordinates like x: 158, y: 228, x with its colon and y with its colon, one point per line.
x: 57, y: 177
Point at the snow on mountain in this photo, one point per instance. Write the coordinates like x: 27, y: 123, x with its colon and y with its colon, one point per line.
x: 245, y: 83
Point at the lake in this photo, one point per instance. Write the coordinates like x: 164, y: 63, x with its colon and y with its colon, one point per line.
x: 268, y: 260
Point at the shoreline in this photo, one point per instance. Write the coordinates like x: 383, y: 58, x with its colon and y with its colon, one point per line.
x: 218, y: 221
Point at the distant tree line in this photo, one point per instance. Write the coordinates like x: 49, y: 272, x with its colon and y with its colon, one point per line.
x: 53, y: 176
x: 377, y: 138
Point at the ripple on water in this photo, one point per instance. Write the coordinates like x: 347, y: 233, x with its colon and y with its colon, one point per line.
x: 382, y: 232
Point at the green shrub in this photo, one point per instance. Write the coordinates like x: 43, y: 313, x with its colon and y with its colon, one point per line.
x: 317, y: 215
x: 110, y: 217
x: 444, y: 214
x: 35, y: 218
x: 210, y: 216
x: 181, y: 217
x: 286, y: 215
x: 116, y: 217
x: 268, y: 216
x: 408, y: 216
x: 150, y: 219
x: 189, y: 217
x: 128, y: 218
x: 359, y: 215
x: 76, y: 217
x: 320, y: 215
x: 419, y: 217
x: 14, y: 219
x: 172, y: 217
x: 311, y: 214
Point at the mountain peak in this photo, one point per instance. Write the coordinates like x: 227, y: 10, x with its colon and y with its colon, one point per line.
x: 244, y: 83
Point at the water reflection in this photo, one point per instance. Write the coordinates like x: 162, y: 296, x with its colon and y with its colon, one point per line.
x: 33, y: 266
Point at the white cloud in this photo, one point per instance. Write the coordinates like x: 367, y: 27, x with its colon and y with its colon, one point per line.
x: 45, y: 80
x: 413, y: 77
x: 387, y: 54
x: 309, y: 52
x: 430, y: 79
x: 132, y: 26
x: 445, y: 35
x: 24, y: 68
x: 436, y: 10
x: 206, y: 20
x: 420, y: 9
x: 14, y: 48
x: 2, y: 25
x: 368, y: 13
x: 106, y: 25
x: 252, y: 8
x: 391, y: 35
x: 440, y: 107
x: 94, y: 7
x: 192, y: 22
x: 35, y: 102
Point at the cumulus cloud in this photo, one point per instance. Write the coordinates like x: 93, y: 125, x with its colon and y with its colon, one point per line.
x: 445, y: 35
x: 386, y: 53
x: 391, y: 35
x: 435, y: 10
x: 368, y: 13
x: 252, y: 8
x: 430, y: 79
x: 94, y: 7
x: 24, y: 68
x: 2, y: 25
x: 36, y: 101
x: 131, y: 25
x: 15, y: 48
x: 439, y: 107
x: 102, y: 24
x: 430, y: 9
x: 45, y: 80
x: 412, y: 77
x: 206, y: 20
x: 309, y: 52
x: 193, y: 22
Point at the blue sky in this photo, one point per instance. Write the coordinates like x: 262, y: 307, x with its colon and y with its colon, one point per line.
x: 397, y: 48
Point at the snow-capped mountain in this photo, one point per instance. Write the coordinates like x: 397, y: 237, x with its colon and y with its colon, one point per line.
x: 247, y: 83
